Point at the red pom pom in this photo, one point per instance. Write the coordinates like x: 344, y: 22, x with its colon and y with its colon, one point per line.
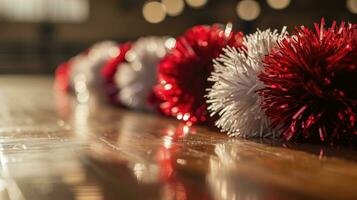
x: 62, y: 76
x: 310, y: 83
x: 182, y: 74
x: 108, y: 72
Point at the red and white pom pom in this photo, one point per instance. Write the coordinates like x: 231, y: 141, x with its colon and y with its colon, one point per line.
x: 310, y: 83
x: 182, y: 74
x: 136, y: 77
x: 233, y: 95
x: 86, y: 67
x: 109, y: 70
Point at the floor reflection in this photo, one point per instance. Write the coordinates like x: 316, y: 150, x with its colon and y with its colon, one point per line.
x: 127, y: 156
x: 48, y: 168
x: 224, y: 183
x: 89, y: 150
x: 244, y: 170
x: 151, y: 158
x: 47, y: 163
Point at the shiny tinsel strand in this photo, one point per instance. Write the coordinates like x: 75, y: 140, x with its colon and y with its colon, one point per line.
x: 310, y: 84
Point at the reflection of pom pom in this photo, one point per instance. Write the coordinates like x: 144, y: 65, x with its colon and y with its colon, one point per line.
x: 182, y: 75
x: 233, y: 95
x: 108, y: 72
x: 136, y: 77
x: 310, y: 83
x: 62, y: 76
x: 85, y: 68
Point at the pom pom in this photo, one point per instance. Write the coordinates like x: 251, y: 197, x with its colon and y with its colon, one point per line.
x: 85, y: 67
x: 136, y: 77
x: 233, y: 95
x: 182, y: 75
x: 108, y: 73
x: 310, y: 84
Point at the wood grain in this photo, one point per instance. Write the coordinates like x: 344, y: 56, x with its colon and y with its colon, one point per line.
x: 52, y: 147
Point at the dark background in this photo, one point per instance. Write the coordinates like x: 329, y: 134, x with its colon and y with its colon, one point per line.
x: 35, y: 45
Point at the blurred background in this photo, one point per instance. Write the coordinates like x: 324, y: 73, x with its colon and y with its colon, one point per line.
x: 36, y: 35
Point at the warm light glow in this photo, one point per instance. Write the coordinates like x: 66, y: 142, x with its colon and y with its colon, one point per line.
x: 168, y: 86
x: 170, y: 43
x: 278, y: 4
x: 44, y: 10
x: 228, y: 29
x: 80, y: 121
x: 80, y: 87
x: 186, y: 116
x: 196, y: 3
x: 154, y: 12
x: 139, y: 170
x: 352, y: 6
x: 186, y: 129
x: 248, y: 10
x: 173, y: 7
x: 181, y: 161
x: 167, y: 142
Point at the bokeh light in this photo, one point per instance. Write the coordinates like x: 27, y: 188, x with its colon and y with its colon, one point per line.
x: 196, y: 3
x: 352, y: 6
x: 173, y: 7
x: 248, y: 10
x: 278, y: 4
x: 154, y: 12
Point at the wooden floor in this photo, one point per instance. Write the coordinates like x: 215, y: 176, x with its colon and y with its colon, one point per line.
x: 52, y: 147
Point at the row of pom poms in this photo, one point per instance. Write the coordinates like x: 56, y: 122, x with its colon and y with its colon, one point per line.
x: 298, y: 86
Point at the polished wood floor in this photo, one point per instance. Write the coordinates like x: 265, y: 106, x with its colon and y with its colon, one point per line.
x: 52, y: 147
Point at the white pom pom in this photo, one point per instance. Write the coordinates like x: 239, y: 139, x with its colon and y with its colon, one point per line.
x: 233, y: 96
x: 136, y: 78
x: 86, y: 67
